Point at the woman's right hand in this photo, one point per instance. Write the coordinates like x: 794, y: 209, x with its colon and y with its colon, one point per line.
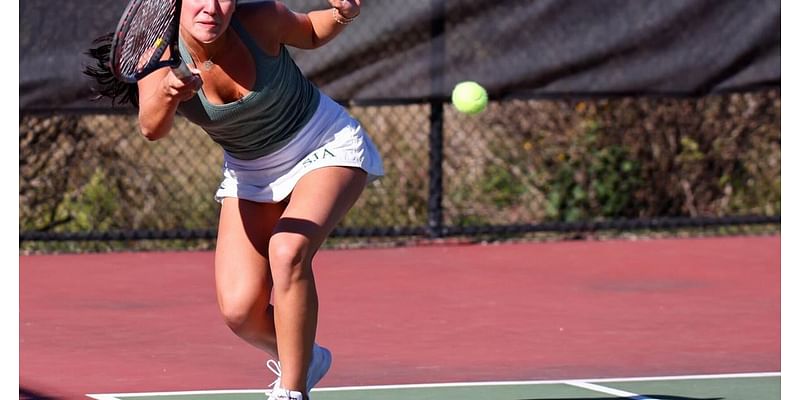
x: 181, y: 89
x: 160, y: 93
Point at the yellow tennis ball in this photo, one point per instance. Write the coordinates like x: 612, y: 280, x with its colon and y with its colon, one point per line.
x: 469, y: 97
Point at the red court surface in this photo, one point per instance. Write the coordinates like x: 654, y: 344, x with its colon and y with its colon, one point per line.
x: 136, y: 322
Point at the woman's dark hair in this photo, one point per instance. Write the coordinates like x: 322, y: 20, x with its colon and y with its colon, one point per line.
x: 107, y: 84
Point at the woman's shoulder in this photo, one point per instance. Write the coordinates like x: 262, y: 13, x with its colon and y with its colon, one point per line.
x: 258, y: 8
x: 262, y: 15
x: 262, y: 21
x: 272, y: 23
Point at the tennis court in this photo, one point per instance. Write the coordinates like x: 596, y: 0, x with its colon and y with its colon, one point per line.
x: 616, y: 138
x: 733, y: 387
x: 677, y: 319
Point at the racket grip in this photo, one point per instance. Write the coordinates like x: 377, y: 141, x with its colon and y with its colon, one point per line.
x: 182, y: 71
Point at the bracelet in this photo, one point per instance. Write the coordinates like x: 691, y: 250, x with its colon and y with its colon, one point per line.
x: 341, y: 19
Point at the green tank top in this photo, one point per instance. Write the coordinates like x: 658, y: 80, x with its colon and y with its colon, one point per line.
x: 281, y: 102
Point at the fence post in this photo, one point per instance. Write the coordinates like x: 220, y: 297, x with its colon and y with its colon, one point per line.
x: 436, y: 157
x: 436, y: 136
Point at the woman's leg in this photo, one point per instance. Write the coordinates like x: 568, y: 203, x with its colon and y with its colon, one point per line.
x: 318, y: 202
x: 242, y: 272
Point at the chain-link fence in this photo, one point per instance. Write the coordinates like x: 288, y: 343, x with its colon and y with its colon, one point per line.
x: 521, y: 166
x: 558, y: 149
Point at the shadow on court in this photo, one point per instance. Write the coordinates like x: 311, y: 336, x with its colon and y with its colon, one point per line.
x: 27, y: 394
x: 641, y: 396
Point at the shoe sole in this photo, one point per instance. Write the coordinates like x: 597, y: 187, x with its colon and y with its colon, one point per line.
x: 327, y: 360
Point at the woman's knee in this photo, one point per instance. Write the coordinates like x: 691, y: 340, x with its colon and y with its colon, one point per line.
x: 239, y: 314
x: 289, y: 258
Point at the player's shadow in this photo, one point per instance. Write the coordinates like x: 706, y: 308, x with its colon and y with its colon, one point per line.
x: 29, y: 394
x: 647, y: 396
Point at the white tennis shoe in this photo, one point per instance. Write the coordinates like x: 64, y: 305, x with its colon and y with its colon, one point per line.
x: 321, y: 359
x: 283, y: 394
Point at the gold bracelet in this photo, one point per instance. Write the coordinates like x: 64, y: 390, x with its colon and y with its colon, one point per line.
x: 341, y: 19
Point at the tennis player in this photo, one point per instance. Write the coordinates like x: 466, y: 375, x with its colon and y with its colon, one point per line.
x: 294, y: 163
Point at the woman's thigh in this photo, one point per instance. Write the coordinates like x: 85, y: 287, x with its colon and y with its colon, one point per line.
x: 242, y: 274
x: 317, y: 204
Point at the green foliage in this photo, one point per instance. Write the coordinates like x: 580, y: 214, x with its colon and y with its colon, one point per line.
x: 501, y: 186
x: 520, y: 161
x: 94, y: 207
x: 598, y: 181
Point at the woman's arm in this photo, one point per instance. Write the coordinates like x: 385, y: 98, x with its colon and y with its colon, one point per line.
x: 314, y: 29
x: 159, y: 96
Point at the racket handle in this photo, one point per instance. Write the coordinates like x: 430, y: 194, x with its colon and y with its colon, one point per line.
x: 182, y: 71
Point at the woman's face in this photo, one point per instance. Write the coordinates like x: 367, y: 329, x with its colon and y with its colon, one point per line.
x: 206, y: 20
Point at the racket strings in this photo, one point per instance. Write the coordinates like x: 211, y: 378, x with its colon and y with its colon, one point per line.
x: 149, y: 31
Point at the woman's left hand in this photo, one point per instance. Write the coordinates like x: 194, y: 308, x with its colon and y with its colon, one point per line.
x: 347, y: 8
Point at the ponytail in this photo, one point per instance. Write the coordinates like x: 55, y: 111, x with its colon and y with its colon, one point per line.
x: 107, y: 85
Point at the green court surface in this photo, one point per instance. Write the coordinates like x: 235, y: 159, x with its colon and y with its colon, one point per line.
x: 761, y: 386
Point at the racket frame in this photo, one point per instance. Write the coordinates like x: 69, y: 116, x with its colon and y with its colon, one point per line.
x: 170, y: 40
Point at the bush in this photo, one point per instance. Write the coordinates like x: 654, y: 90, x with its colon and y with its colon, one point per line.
x: 520, y: 161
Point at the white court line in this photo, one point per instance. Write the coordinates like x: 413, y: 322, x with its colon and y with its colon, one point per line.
x: 117, y: 396
x: 550, y: 382
x: 608, y: 390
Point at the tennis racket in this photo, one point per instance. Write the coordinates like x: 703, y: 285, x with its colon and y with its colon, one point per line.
x: 145, y: 31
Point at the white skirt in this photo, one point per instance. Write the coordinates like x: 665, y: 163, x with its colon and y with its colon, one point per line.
x: 330, y: 138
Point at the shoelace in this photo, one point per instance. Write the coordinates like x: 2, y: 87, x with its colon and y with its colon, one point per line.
x: 275, y: 367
